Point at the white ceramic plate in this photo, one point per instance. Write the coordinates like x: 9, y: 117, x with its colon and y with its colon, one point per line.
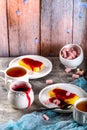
x: 46, y: 70
x: 43, y: 95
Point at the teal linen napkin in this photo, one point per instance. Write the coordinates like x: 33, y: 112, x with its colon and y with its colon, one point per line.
x: 57, y: 121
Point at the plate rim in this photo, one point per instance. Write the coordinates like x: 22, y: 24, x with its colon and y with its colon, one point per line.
x: 57, y: 84
x: 37, y: 56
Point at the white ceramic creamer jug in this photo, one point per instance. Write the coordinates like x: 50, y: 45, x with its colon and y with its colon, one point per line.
x: 20, y: 94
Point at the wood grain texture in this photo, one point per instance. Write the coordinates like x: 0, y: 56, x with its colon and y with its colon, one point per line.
x: 23, y: 22
x: 41, y: 27
x: 80, y: 24
x: 3, y: 29
x: 56, y: 25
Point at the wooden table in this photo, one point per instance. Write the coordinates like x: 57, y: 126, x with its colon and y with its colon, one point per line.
x: 58, y: 75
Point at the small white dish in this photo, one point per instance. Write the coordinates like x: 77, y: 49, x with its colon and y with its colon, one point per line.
x: 72, y: 63
x: 32, y: 75
x: 43, y: 95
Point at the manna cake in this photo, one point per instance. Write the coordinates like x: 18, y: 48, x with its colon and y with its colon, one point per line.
x: 31, y: 64
x: 63, y: 96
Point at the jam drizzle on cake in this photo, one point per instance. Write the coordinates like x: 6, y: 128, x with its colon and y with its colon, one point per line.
x: 31, y: 64
x: 60, y: 97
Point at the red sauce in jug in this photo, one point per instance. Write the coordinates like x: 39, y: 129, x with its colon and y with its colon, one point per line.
x: 23, y: 87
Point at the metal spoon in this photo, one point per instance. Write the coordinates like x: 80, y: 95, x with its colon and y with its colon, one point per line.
x: 63, y: 107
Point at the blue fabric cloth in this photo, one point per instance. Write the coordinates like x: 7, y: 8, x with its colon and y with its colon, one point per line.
x: 57, y: 121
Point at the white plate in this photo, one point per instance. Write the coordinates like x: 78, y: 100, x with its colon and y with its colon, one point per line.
x: 46, y: 70
x: 43, y: 95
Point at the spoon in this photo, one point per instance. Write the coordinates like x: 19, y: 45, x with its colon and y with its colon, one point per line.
x: 63, y: 107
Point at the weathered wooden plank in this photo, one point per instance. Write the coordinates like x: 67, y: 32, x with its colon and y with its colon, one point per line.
x: 80, y: 24
x: 23, y: 21
x: 3, y: 30
x: 56, y: 25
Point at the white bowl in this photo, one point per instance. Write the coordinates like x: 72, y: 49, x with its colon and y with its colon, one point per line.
x: 73, y: 63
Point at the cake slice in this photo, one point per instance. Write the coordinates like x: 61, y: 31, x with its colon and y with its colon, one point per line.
x: 31, y: 64
x: 62, y: 95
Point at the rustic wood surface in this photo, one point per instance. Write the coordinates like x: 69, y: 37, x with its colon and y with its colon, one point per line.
x: 23, y: 23
x: 80, y: 24
x: 4, y: 48
x: 56, y: 20
x: 57, y: 74
x: 41, y: 26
